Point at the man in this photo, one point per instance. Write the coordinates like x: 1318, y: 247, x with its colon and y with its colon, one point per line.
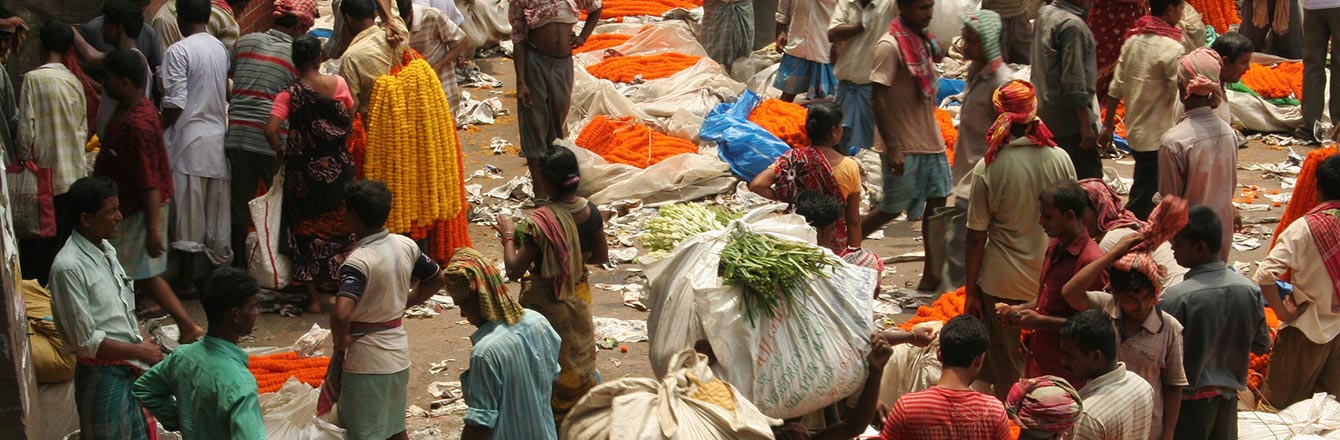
x: 1066, y: 78
x: 146, y: 38
x: 543, y: 38
x: 1070, y: 249
x: 447, y: 7
x: 122, y: 27
x: 1307, y: 352
x: 222, y: 24
x: 1044, y: 407
x: 1118, y: 404
x: 1006, y: 244
x: 1151, y: 339
x: 225, y: 405
x: 94, y: 310
x: 1319, y: 33
x: 1016, y: 32
x: 857, y: 25
x: 802, y: 39
x: 133, y: 156
x: 261, y: 68
x: 986, y: 73
x: 916, y: 170
x: 1222, y: 319
x: 383, y: 275
x: 1146, y: 79
x: 9, y: 107
x: 1198, y: 157
x: 53, y: 125
x: 369, y: 55
x: 514, y: 362
x: 195, y: 81
x: 1278, y: 27
x: 1236, y: 52
x: 728, y: 30
x: 439, y: 41
x: 952, y: 409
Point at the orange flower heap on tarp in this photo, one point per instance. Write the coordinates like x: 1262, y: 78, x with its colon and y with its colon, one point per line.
x: 626, y: 141
x: 618, y: 9
x: 1305, y: 193
x: 1217, y: 13
x: 272, y: 371
x: 948, y: 305
x: 947, y: 130
x: 1285, y: 80
x: 625, y: 69
x: 602, y: 42
x: 783, y: 119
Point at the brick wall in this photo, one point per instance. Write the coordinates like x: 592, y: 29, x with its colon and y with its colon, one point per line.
x: 253, y: 17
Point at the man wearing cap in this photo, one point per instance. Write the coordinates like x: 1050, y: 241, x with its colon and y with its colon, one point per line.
x: 514, y: 361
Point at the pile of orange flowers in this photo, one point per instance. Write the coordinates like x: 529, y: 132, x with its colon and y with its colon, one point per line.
x: 948, y: 305
x: 272, y: 371
x: 618, y: 9
x: 947, y: 130
x: 626, y: 69
x: 1305, y: 193
x: 621, y: 139
x: 786, y: 120
x: 1260, y: 364
x: 1285, y: 80
x: 1217, y: 13
x: 602, y: 41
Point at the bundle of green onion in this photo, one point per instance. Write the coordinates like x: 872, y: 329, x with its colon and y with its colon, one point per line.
x: 770, y: 269
x: 677, y: 222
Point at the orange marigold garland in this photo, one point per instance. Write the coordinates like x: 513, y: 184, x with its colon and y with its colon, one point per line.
x: 624, y: 69
x: 272, y: 371
x: 621, y: 139
x: 602, y: 41
x: 1285, y: 80
x: 948, y: 305
x: 783, y: 119
x: 618, y: 9
x: 1260, y: 364
x: 947, y: 130
x: 1217, y: 13
x: 1305, y: 192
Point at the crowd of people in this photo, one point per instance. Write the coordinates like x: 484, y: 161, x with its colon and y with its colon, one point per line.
x: 1136, y: 326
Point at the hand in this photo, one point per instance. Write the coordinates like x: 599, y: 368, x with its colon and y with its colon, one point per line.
x: 578, y: 40
x: 791, y: 432
x: 896, y: 162
x: 342, y: 342
x: 879, y: 354
x: 882, y: 411
x: 523, y: 95
x: 1291, y: 310
x: 149, y: 352
x: 1030, y: 319
x: 781, y: 42
x: 1007, y: 314
x: 503, y: 224
x: 1088, y: 140
x: 153, y: 242
x: 1105, y: 137
x: 922, y: 335
x: 1129, y: 242
x: 972, y: 305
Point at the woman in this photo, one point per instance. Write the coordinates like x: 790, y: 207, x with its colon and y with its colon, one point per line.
x: 554, y: 245
x: 316, y: 167
x: 1108, y: 222
x: 1109, y: 20
x: 820, y: 167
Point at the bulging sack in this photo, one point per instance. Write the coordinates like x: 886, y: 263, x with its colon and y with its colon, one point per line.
x: 271, y: 269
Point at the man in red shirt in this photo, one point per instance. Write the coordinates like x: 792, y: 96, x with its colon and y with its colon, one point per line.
x: 951, y: 409
x: 1070, y: 250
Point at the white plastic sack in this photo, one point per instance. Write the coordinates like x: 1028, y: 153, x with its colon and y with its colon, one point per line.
x: 761, y: 82
x: 910, y: 369
x: 1257, y: 114
x: 290, y: 414
x: 745, y: 68
x: 1315, y: 418
x: 706, y: 74
x: 682, y: 177
x: 947, y: 22
x: 271, y: 269
x: 647, y: 409
x: 485, y: 21
x: 811, y: 355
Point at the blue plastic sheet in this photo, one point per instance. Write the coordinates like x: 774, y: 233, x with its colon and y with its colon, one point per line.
x: 949, y: 87
x: 744, y: 145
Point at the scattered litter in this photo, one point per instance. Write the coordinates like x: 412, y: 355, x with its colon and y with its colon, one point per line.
x: 611, y: 332
x: 616, y: 362
x: 908, y: 257
x: 473, y: 112
x: 489, y: 171
x: 427, y: 433
x: 886, y: 308
x: 519, y: 188
x: 447, y: 399
x: 442, y: 302
x: 1242, y: 267
x: 1277, y: 139
x: 1257, y: 231
x: 499, y: 145
x: 621, y: 256
x: 440, y: 366
x: 165, y: 335
x: 1265, y: 220
x: 421, y: 311
x: 1251, y: 208
x: 632, y: 294
x: 290, y: 311
x: 469, y: 75
x: 878, y: 235
x: 1244, y: 243
x: 1113, y: 178
x: 908, y: 298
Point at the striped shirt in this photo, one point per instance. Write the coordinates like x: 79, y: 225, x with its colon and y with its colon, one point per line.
x: 941, y: 413
x: 221, y: 25
x: 1117, y: 406
x: 434, y: 35
x: 1154, y: 352
x: 53, y: 124
x: 261, y: 68
x: 368, y: 58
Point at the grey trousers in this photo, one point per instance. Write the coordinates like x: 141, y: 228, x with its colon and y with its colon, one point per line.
x: 1321, y: 27
x: 1287, y: 45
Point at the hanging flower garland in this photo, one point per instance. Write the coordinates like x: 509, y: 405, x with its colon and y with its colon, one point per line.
x: 1219, y: 14
x: 948, y: 131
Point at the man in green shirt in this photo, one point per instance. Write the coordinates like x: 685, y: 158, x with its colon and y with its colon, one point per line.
x: 204, y: 389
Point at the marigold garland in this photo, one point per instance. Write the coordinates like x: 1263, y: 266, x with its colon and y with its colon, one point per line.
x: 1285, y: 80
x: 602, y: 41
x: 272, y: 371
x: 618, y: 9
x: 412, y: 147
x: 948, y: 305
x: 622, y: 139
x: 625, y: 69
x: 783, y: 119
x: 1305, y: 191
x: 947, y: 130
x: 1219, y: 14
x: 1260, y: 364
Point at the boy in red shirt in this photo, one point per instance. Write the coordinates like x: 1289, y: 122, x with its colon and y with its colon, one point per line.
x: 951, y: 409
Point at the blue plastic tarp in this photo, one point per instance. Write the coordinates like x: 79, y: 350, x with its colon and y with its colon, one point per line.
x: 949, y: 87
x: 744, y: 145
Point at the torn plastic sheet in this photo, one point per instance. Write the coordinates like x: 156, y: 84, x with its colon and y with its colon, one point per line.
x: 611, y: 332
x: 478, y: 112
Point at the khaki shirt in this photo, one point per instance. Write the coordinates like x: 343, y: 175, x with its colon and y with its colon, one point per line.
x: 368, y: 58
x: 853, y: 62
x: 1146, y: 79
x: 914, y: 126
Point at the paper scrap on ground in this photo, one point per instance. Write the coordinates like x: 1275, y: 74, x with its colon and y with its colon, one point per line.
x: 611, y: 332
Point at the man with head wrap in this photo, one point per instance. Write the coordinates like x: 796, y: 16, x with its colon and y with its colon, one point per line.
x: 1198, y: 157
x: 514, y: 361
x: 1044, y: 407
x: 1151, y: 339
x: 261, y: 68
x: 1005, y: 244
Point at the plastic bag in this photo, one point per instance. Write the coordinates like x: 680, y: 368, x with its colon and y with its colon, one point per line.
x: 1318, y: 417
x: 646, y: 409
x: 947, y: 21
x: 1257, y: 114
x: 290, y: 414
x: 271, y: 269
x: 485, y: 21
x: 911, y: 369
x: 746, y: 147
x: 825, y: 332
x: 681, y: 177
x: 32, y: 200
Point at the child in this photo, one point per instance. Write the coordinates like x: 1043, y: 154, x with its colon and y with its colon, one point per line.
x: 802, y: 39
x: 822, y: 213
x: 820, y: 167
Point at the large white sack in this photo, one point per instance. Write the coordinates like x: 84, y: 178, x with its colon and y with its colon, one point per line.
x: 1315, y: 418
x: 688, y: 176
x: 290, y: 414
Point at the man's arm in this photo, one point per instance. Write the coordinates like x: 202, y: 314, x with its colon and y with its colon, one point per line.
x: 1276, y: 263
x: 431, y: 282
x: 1172, y: 407
x: 153, y: 205
x: 1172, y: 170
x: 157, y: 393
x: 246, y: 422
x: 592, y: 19
x: 175, y: 93
x: 91, y: 56
x: 883, y: 106
x: 975, y: 248
x: 481, y: 386
x: 352, y: 282
x: 1076, y: 85
x: 1076, y: 290
x: 1261, y: 340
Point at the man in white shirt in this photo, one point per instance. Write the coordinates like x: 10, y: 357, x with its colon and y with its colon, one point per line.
x: 440, y: 41
x: 857, y: 25
x: 195, y: 81
x: 802, y: 38
x: 1118, y: 404
x: 1307, y: 350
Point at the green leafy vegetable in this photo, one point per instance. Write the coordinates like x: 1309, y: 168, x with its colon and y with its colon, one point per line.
x: 770, y: 269
x: 677, y: 222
